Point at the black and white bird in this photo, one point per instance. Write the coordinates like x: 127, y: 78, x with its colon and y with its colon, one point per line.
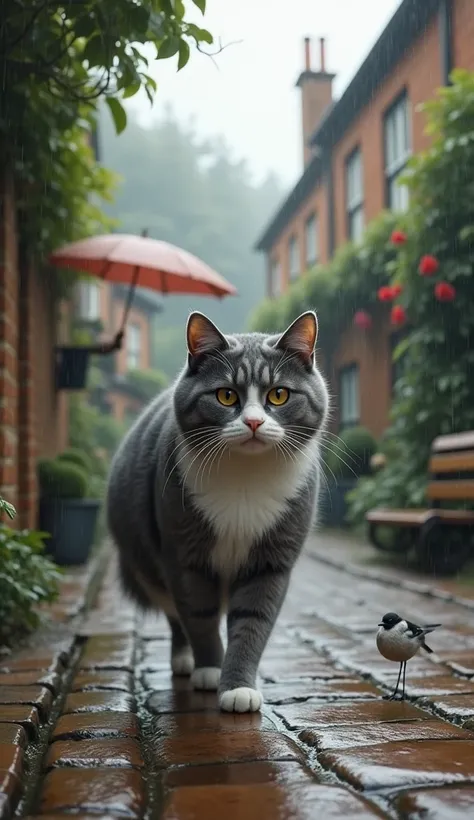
x: 399, y: 640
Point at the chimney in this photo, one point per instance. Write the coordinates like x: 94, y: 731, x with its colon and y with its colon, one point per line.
x: 316, y: 94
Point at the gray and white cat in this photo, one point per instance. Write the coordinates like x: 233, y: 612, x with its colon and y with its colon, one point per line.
x: 212, y: 494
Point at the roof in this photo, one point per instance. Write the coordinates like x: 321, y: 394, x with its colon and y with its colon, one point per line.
x: 406, y: 25
x: 409, y: 21
x: 302, y: 189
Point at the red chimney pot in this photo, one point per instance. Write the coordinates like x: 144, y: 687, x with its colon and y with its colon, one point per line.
x: 307, y: 54
x: 322, y: 50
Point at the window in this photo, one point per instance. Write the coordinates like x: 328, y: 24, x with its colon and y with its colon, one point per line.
x: 294, y: 258
x: 354, y: 196
x: 89, y: 301
x: 397, y: 146
x: 133, y: 346
x: 349, y: 405
x: 275, y: 278
x: 311, y: 239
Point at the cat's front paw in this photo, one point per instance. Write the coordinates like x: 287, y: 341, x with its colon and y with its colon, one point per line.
x: 207, y: 677
x: 241, y: 699
x: 182, y: 662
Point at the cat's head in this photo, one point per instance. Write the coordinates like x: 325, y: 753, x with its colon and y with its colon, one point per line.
x: 251, y: 392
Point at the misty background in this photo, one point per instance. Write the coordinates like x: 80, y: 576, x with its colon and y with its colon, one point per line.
x: 210, y: 163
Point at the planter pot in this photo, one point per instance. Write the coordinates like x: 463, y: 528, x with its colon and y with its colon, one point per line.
x: 71, y: 368
x: 332, y: 505
x: 71, y: 523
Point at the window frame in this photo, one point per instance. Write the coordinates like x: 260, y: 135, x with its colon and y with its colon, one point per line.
x: 396, y: 168
x: 86, y: 289
x: 133, y: 351
x: 312, y: 218
x: 345, y: 424
x: 293, y: 243
x: 275, y: 277
x: 354, y: 208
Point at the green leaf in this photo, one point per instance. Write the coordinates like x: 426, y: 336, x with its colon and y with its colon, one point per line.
x: 201, y: 4
x: 119, y: 115
x: 131, y: 89
x: 183, y: 54
x: 201, y: 35
x: 168, y: 48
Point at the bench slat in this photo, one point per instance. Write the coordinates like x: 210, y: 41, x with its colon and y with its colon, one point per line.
x: 416, y: 518
x: 455, y: 441
x: 458, y: 462
x: 451, y: 490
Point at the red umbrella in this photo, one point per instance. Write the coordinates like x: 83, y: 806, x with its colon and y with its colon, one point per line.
x: 140, y: 260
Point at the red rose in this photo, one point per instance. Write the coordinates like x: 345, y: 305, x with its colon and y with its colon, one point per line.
x: 398, y: 316
x: 385, y: 293
x: 444, y: 292
x: 363, y: 320
x: 428, y: 265
x: 398, y: 238
x: 397, y: 290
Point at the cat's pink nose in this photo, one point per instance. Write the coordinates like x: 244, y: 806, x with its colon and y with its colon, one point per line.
x: 254, y: 424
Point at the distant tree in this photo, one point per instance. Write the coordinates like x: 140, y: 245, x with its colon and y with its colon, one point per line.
x: 193, y: 193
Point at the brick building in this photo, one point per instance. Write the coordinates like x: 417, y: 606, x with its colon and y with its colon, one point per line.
x: 354, y: 151
x: 104, y: 303
x: 33, y: 413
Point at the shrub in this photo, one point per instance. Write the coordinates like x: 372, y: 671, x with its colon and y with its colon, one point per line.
x: 76, y: 456
x: 27, y: 579
x: 147, y: 383
x: 59, y: 479
x: 350, y: 456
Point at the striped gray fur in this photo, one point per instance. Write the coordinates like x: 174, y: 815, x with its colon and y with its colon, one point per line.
x: 209, y: 513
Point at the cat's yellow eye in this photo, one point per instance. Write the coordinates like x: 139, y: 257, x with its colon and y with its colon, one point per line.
x: 227, y: 397
x: 278, y: 396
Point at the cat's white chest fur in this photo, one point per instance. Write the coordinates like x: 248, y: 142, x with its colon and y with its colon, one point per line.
x: 243, y: 497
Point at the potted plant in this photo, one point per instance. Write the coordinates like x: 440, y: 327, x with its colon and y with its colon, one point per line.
x: 65, y: 511
x: 348, y: 460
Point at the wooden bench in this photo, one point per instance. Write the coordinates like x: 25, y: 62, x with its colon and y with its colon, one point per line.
x: 442, y: 537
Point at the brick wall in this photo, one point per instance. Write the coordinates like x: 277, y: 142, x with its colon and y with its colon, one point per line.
x: 9, y: 306
x: 33, y: 416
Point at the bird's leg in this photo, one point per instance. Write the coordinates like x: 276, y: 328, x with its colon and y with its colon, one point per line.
x: 394, y: 693
x: 404, y: 674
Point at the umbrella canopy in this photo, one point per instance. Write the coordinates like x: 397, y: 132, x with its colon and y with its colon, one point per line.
x: 140, y: 260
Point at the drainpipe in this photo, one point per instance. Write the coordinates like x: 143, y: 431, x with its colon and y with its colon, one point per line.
x: 446, y: 39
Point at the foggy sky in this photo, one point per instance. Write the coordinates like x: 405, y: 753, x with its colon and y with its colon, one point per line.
x: 250, y: 96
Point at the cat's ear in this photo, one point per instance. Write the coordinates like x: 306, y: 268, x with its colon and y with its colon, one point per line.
x: 203, y: 336
x: 301, y: 336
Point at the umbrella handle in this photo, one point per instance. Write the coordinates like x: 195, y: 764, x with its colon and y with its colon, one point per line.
x: 130, y: 295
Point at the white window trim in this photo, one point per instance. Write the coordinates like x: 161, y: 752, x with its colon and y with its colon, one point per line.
x: 89, y: 301
x: 354, y: 201
x: 352, y: 418
x: 396, y: 167
x: 134, y: 346
x: 275, y: 277
x: 293, y: 258
x: 312, y: 229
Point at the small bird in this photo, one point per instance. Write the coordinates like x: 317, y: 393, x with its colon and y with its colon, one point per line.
x: 399, y: 640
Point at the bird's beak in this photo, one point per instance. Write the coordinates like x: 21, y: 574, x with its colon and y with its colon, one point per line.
x: 379, y: 624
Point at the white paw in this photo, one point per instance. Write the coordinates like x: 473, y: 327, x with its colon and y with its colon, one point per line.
x: 207, y: 677
x: 242, y: 699
x: 182, y: 662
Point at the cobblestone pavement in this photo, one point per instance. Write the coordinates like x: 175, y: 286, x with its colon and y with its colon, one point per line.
x: 92, y: 724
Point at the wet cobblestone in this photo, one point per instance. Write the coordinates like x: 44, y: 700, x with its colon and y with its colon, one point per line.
x: 107, y: 732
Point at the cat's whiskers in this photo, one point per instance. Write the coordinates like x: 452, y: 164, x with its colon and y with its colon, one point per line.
x: 207, y: 438
x: 209, y: 457
x: 185, y: 437
x: 207, y: 444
